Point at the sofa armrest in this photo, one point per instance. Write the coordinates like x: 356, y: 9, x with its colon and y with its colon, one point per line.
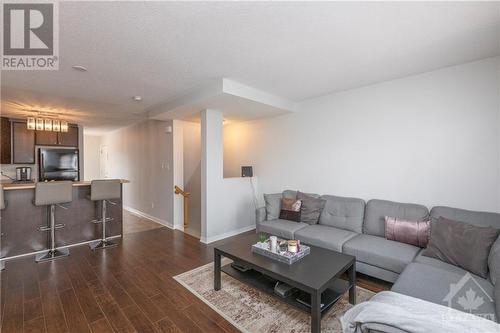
x: 260, y: 215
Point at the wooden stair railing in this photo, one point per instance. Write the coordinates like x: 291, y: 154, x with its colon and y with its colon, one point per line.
x: 185, y: 195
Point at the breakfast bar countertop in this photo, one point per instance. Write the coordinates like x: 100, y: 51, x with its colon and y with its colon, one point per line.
x: 24, y: 186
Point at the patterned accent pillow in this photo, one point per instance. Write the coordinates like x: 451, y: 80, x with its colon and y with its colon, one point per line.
x: 290, y: 209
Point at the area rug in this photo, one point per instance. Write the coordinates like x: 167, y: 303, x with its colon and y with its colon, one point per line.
x: 252, y: 311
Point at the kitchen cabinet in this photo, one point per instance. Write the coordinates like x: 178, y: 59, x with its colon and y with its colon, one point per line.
x: 5, y: 141
x: 23, y: 145
x: 69, y: 138
x: 44, y: 138
x: 66, y: 139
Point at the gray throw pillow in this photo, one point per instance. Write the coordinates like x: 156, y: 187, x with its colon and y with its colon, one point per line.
x: 461, y: 244
x: 494, y: 262
x: 311, y: 208
x: 273, y: 206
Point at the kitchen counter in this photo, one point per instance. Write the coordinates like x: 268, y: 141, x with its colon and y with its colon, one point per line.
x: 21, y: 220
x: 9, y: 185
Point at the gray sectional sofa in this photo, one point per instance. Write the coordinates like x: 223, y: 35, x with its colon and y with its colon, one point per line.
x: 350, y: 226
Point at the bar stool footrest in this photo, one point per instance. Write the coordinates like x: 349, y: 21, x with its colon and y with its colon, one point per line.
x: 108, y: 219
x: 47, y: 228
x: 52, y: 255
x: 100, y: 244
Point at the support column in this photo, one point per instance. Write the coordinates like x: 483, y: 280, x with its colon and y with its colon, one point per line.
x: 212, y: 162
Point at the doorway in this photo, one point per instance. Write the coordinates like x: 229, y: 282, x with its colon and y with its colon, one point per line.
x: 103, y: 162
x: 192, y: 175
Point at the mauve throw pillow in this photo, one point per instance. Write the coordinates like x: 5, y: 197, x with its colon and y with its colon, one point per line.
x: 311, y: 208
x: 462, y: 245
x: 290, y: 209
x: 410, y: 232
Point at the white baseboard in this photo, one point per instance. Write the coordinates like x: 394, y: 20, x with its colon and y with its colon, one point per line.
x: 147, y: 216
x: 215, y: 238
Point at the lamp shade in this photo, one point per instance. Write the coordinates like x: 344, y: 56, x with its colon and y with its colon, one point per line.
x: 48, y: 124
x: 31, y: 123
x: 39, y: 124
x: 56, y: 125
x: 64, y: 126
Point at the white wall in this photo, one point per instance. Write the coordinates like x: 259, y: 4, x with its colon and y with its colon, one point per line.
x: 143, y: 154
x: 431, y: 139
x: 227, y: 205
x: 91, y: 160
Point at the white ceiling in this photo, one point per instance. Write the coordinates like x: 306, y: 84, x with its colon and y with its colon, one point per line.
x: 295, y: 50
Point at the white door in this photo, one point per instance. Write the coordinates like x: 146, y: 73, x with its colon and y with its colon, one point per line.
x: 103, y: 161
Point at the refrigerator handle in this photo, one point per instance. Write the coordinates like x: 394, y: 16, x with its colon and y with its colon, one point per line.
x: 42, y: 175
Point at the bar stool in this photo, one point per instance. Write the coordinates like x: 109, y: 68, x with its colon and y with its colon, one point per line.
x: 53, y: 194
x: 2, y: 207
x: 104, y: 190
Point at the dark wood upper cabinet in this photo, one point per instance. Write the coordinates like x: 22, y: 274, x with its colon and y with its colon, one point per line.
x: 5, y: 143
x: 46, y: 138
x: 23, y: 145
x: 69, y: 138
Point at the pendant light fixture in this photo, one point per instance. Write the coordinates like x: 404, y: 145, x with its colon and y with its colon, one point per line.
x: 31, y: 123
x: 46, y: 124
x: 56, y: 125
x: 39, y: 124
x: 64, y: 126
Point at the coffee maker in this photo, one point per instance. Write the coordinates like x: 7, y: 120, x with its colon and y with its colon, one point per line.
x: 23, y: 174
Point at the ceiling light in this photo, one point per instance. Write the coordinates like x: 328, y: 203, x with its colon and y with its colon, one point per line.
x: 39, y: 124
x: 48, y: 125
x: 137, y: 98
x: 64, y: 126
x: 79, y: 68
x: 56, y: 125
x: 31, y: 123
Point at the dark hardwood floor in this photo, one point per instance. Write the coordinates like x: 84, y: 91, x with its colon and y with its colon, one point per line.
x: 128, y: 288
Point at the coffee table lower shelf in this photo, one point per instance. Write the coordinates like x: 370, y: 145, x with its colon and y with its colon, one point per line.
x: 266, y: 284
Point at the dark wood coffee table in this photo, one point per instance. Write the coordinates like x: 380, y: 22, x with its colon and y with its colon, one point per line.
x: 317, y: 274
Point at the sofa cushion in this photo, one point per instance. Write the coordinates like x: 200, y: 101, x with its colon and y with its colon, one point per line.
x: 323, y: 236
x: 496, y: 293
x: 480, y: 219
x: 437, y: 263
x: 447, y: 288
x: 344, y: 213
x: 380, y: 252
x: 377, y: 210
x: 273, y: 205
x: 281, y: 228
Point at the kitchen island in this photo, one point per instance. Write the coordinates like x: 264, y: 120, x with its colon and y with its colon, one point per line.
x: 21, y: 219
